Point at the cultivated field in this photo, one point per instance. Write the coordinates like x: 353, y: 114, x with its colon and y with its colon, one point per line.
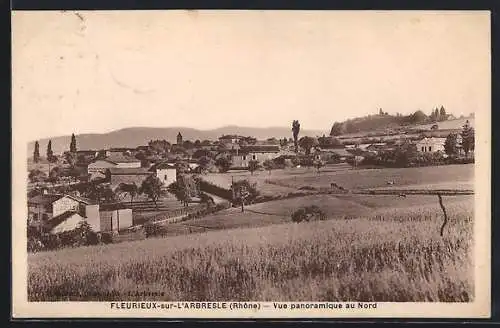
x: 338, y: 207
x: 375, y: 178
x: 395, y: 254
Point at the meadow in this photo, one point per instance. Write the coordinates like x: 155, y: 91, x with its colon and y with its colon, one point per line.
x: 376, y: 178
x: 289, y: 180
x: 391, y: 254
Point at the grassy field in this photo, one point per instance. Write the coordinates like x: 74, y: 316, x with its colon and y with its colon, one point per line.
x: 259, y: 177
x: 338, y: 206
x: 394, y: 254
x: 374, y: 178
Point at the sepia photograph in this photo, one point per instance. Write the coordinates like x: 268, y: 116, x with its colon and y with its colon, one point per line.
x: 251, y: 163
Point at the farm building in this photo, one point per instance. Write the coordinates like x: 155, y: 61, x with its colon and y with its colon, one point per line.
x: 230, y: 139
x: 127, y: 175
x: 120, y: 151
x: 113, y: 217
x: 56, y: 213
x: 259, y: 153
x: 124, y: 161
x: 328, y: 153
x: 430, y: 145
x: 166, y: 172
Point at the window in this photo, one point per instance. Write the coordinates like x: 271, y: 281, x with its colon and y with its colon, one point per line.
x: 430, y: 148
x: 423, y: 148
x: 244, y: 158
x: 253, y: 157
x: 165, y: 178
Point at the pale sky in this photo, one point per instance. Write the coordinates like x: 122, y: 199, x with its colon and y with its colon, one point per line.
x: 101, y: 71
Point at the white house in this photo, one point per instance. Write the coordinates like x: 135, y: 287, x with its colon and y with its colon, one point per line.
x: 65, y: 212
x: 258, y: 153
x: 165, y: 172
x: 430, y: 145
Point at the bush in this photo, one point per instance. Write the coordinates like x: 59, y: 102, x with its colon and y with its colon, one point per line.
x: 153, y: 230
x: 211, y: 188
x: 307, y: 213
x: 307, y: 188
x: 106, y: 237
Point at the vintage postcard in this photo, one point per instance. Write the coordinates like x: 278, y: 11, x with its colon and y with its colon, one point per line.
x: 251, y: 164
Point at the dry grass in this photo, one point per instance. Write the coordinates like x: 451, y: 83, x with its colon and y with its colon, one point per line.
x: 396, y: 255
x: 376, y: 178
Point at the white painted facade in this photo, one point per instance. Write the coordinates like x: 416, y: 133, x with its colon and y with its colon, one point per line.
x: 167, y: 175
x: 430, y: 145
x: 64, y: 204
x: 69, y: 224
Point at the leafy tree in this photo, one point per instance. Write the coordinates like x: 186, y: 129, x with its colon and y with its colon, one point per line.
x: 450, y: 144
x: 129, y: 188
x: 181, y: 167
x: 337, y: 129
x: 187, y: 144
x: 84, y: 235
x: 318, y: 164
x: 50, y: 153
x: 72, y: 145
x: 36, y: 153
x: 37, y: 176
x: 307, y: 143
x: 329, y: 142
x: 244, y: 192
x: 295, y: 161
x: 151, y: 187
x: 159, y: 146
x: 296, y: 131
x: 204, y: 163
x: 253, y: 165
x: 199, y: 153
x: 418, y: 117
x: 54, y: 175
x: 468, y: 138
x: 99, y: 192
x: 184, y: 189
x: 272, y: 141
x: 223, y: 164
x: 269, y: 165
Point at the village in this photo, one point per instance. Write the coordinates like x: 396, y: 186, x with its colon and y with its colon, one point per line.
x: 117, y: 191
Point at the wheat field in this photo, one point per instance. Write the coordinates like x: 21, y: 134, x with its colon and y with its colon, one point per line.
x: 397, y: 255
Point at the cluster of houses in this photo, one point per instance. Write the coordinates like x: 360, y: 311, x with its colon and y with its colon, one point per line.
x: 57, y: 212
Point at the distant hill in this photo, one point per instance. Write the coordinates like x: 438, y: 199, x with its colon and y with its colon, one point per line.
x: 137, y: 136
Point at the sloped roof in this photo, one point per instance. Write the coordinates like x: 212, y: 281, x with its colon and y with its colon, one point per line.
x: 60, y: 223
x: 261, y: 148
x: 44, y: 199
x: 103, y: 160
x: 80, y: 199
x: 118, y: 158
x: 128, y: 171
x: 162, y: 166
